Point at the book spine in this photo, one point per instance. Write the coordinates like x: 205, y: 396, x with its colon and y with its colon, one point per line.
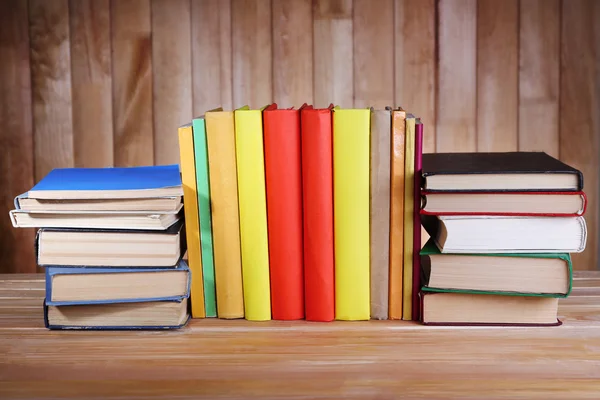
x: 283, y: 181
x: 220, y: 136
x: 317, y: 190
x: 409, y: 209
x: 192, y: 225
x: 351, y: 213
x: 397, y: 214
x: 253, y: 214
x: 416, y: 286
x: 380, y: 211
x: 206, y: 245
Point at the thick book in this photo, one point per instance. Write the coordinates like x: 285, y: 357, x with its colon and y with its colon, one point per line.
x: 283, y: 180
x: 511, y: 171
x: 253, y: 213
x: 192, y: 224
x: 417, y: 228
x: 110, y: 248
x: 465, y: 309
x: 397, y: 213
x: 156, y: 315
x: 551, y: 204
x: 220, y: 136
x: 381, y: 127
x: 351, y: 138
x: 462, y: 234
x: 409, y: 221
x: 517, y: 274
x: 70, y: 286
x: 109, y: 183
x: 203, y: 191
x: 317, y: 191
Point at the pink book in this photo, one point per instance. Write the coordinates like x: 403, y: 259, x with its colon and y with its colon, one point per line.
x: 416, y: 307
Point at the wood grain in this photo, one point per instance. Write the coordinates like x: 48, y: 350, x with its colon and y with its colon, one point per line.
x: 497, y: 75
x: 579, y: 105
x: 16, y: 134
x: 211, y: 55
x: 172, y: 75
x: 51, y: 85
x: 132, y: 82
x: 415, y: 66
x: 333, y: 53
x: 213, y: 358
x: 539, y: 69
x: 92, y: 83
x: 373, y: 53
x: 252, y: 53
x: 457, y: 87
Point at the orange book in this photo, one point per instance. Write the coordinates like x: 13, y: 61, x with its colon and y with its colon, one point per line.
x: 283, y: 181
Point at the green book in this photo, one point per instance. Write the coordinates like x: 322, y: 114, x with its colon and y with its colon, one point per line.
x: 512, y: 274
x: 206, y: 242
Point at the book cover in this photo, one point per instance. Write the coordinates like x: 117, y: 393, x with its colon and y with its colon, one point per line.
x: 192, y: 224
x: 381, y: 126
x: 416, y: 284
x: 220, y: 136
x: 397, y: 214
x: 253, y: 213
x: 409, y: 211
x: 203, y: 189
x: 351, y: 138
x: 283, y: 180
x: 317, y: 191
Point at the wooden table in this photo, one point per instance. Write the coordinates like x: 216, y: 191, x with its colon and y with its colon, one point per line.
x: 237, y: 359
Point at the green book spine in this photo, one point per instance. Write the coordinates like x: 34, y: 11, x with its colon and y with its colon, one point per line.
x: 206, y: 243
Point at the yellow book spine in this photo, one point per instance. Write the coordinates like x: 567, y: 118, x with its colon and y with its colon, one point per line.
x: 351, y: 143
x: 220, y: 136
x: 409, y: 209
x: 253, y: 214
x: 192, y: 222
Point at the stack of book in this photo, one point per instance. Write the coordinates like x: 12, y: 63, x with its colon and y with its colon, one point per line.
x: 502, y: 226
x: 111, y: 241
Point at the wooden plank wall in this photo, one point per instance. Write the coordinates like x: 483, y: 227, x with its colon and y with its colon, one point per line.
x: 107, y: 82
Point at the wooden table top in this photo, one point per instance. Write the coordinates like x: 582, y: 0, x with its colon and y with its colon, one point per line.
x: 271, y: 360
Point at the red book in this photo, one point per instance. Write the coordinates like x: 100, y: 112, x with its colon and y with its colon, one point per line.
x: 416, y: 287
x: 283, y: 181
x: 317, y: 187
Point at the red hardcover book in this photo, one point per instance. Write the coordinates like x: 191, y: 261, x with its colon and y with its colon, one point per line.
x: 283, y: 181
x: 317, y: 189
x: 416, y: 287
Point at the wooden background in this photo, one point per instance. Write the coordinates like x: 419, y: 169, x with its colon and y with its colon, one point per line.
x: 92, y: 83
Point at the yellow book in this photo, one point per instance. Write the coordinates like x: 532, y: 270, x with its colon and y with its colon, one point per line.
x: 220, y: 137
x: 409, y: 208
x: 351, y: 137
x: 253, y: 213
x: 192, y: 224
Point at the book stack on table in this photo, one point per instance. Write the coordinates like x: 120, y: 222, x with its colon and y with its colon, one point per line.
x: 502, y: 226
x: 112, y: 242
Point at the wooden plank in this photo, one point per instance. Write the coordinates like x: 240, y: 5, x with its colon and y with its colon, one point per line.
x: 373, y: 53
x: 292, y: 53
x: 457, y: 86
x: 579, y: 105
x: 51, y: 85
x: 539, y: 68
x: 497, y: 75
x: 16, y: 134
x: 333, y: 53
x: 132, y: 82
x: 415, y: 62
x: 252, y: 53
x: 172, y: 75
x: 92, y: 83
x: 211, y: 55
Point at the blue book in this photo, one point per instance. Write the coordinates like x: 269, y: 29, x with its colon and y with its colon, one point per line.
x: 84, y: 286
x: 109, y: 183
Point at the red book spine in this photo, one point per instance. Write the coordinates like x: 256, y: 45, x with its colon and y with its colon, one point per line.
x: 317, y: 186
x: 416, y: 287
x: 283, y: 180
